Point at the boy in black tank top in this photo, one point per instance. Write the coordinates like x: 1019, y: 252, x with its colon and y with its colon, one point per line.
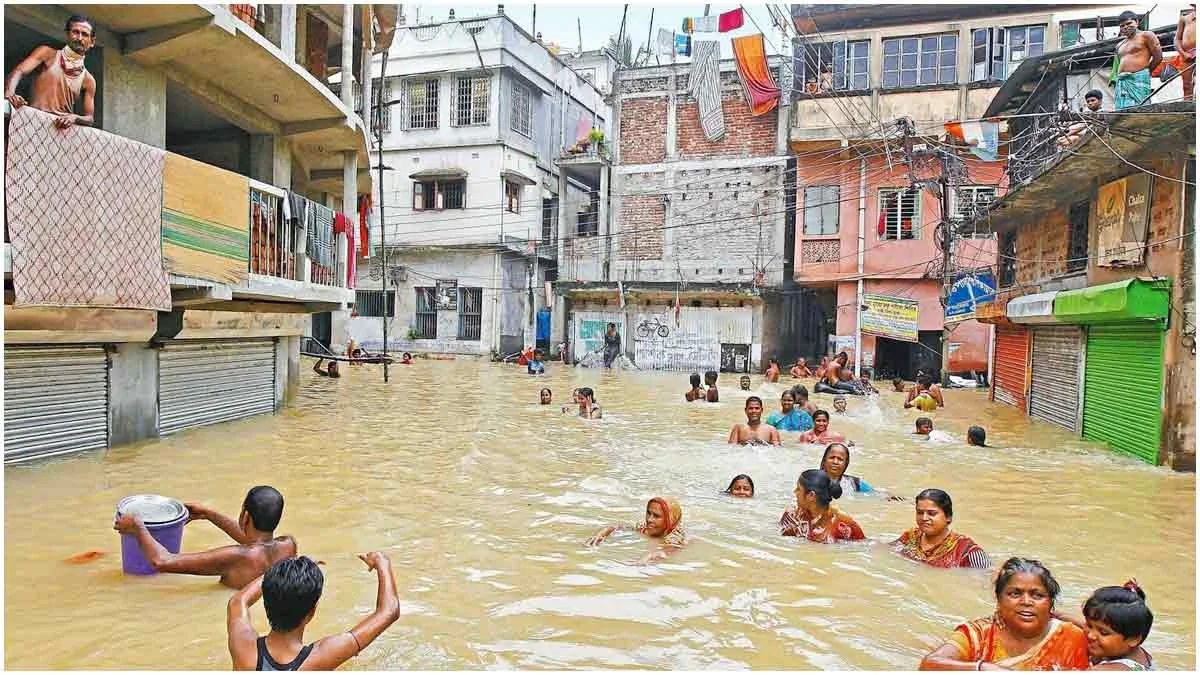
x: 290, y: 590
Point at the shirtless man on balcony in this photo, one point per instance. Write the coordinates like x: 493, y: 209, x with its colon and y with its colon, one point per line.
x: 62, y: 78
x: 1139, y: 54
x: 1185, y: 44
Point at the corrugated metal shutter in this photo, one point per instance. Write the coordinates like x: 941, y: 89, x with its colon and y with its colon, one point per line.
x: 210, y: 381
x: 1054, y: 382
x: 1122, y: 400
x: 55, y: 401
x: 1010, y: 368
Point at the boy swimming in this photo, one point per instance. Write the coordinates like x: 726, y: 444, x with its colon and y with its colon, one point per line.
x: 256, y: 550
x: 290, y: 590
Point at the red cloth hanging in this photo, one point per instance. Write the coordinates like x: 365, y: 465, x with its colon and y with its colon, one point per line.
x: 730, y: 20
x: 883, y: 214
x: 364, y: 212
x: 343, y: 225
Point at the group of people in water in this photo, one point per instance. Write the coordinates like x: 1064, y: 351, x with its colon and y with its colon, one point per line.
x: 1025, y: 632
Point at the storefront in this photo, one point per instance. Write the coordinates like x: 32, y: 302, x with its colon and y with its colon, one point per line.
x: 55, y: 400
x: 1056, y: 364
x: 1010, y: 355
x: 208, y: 381
x: 1123, y: 372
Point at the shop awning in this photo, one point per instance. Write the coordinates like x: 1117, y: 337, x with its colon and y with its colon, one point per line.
x: 1134, y: 299
x: 439, y: 174
x: 1034, y: 308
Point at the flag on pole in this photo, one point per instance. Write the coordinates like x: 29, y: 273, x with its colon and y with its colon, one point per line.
x: 731, y: 20
x: 983, y: 137
x: 683, y: 45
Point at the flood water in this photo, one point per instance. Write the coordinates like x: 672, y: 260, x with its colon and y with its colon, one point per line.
x: 483, y: 501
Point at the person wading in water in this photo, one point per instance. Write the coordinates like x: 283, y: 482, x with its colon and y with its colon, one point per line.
x: 62, y: 78
x: 612, y: 345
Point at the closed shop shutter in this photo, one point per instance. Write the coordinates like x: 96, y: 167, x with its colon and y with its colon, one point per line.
x: 1122, y: 398
x: 210, y: 381
x: 55, y: 401
x: 1011, y: 366
x: 1054, y: 375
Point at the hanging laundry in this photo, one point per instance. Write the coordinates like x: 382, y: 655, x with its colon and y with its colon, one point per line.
x: 689, y: 24
x: 683, y: 45
x: 983, y: 137
x: 343, y: 225
x: 706, y: 88
x: 755, y: 74
x: 364, y: 232
x: 705, y: 24
x: 731, y: 20
x: 320, y: 234
x: 666, y: 41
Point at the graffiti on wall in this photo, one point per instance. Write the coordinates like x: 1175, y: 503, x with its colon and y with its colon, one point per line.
x: 660, y: 345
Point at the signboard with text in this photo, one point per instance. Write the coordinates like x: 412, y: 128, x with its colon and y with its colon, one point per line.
x: 1122, y: 213
x: 969, y: 289
x: 890, y: 317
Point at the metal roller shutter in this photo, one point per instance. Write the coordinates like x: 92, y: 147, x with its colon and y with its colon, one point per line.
x: 210, y: 381
x: 1054, y: 382
x: 1011, y: 366
x: 55, y: 401
x: 1123, y: 380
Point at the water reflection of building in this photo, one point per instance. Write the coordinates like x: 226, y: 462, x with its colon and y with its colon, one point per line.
x: 247, y: 97
x: 481, y: 115
x: 1095, y: 322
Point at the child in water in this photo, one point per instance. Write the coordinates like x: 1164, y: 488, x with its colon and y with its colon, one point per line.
x: 546, y: 395
x: 741, y: 486
x: 1117, y: 622
x: 744, y: 383
x: 710, y: 381
x: 535, y: 366
x: 406, y: 360
x: 839, y: 404
x: 664, y: 521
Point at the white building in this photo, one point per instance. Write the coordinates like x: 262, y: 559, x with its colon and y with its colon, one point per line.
x: 480, y: 114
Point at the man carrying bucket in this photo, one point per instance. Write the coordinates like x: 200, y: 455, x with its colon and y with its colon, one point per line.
x: 256, y: 550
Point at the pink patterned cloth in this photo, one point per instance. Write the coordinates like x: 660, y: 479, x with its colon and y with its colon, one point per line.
x: 84, y: 211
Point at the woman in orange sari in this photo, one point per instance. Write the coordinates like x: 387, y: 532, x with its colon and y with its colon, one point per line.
x: 1021, y: 635
x: 815, y: 517
x: 932, y: 542
x: 664, y: 521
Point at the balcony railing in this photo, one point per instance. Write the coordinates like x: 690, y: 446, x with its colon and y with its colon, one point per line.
x: 272, y: 241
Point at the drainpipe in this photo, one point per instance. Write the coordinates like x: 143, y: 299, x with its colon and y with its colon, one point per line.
x: 862, y: 252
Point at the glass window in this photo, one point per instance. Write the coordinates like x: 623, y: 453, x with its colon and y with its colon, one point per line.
x: 522, y: 110
x: 931, y: 59
x: 436, y: 195
x: 821, y: 209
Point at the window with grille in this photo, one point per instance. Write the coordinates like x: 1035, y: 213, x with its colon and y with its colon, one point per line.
x: 386, y: 111
x: 512, y: 197
x: 470, y: 313
x: 915, y: 61
x: 421, y: 104
x: 437, y: 195
x: 370, y: 303
x: 588, y: 224
x: 996, y: 52
x: 522, y: 110
x: 472, y: 95
x: 1077, y: 224
x: 832, y: 66
x: 821, y: 210
x: 549, y: 219
x: 425, y: 320
x: 1008, y: 259
x: 900, y: 213
x: 970, y: 202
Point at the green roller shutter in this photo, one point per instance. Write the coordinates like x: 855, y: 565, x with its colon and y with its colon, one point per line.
x: 1122, y: 401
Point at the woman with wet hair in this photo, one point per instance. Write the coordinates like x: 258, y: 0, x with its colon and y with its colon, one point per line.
x: 1022, y: 634
x: 814, y: 517
x: 932, y: 542
x: 663, y: 521
x: 741, y: 486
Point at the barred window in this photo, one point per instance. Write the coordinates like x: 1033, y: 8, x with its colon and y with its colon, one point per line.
x: 436, y: 195
x: 386, y: 112
x: 421, y: 104
x: 900, y: 213
x: 425, y: 321
x: 370, y: 303
x: 470, y: 313
x: 512, y: 197
x: 472, y: 96
x: 522, y: 110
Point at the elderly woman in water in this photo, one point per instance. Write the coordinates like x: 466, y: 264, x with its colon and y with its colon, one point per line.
x: 932, y: 542
x: 664, y: 521
x: 814, y: 517
x: 1021, y: 635
x: 836, y: 460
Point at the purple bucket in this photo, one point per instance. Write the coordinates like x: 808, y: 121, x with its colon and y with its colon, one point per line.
x: 164, y: 519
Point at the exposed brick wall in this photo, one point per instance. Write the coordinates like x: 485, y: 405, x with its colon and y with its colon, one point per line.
x: 643, y: 130
x: 641, y: 234
x: 713, y: 217
x: 745, y: 135
x: 1164, y: 206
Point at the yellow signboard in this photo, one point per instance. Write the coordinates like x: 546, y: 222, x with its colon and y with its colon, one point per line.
x: 890, y: 317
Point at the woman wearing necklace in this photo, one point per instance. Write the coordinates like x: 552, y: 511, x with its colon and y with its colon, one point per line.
x: 932, y: 542
x: 814, y: 517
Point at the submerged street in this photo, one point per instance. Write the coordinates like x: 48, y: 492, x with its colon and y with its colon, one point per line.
x: 483, y: 499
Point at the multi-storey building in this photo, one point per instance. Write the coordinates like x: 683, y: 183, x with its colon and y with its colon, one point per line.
x: 480, y: 114
x: 120, y: 328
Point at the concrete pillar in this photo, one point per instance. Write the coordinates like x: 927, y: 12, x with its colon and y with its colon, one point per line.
x: 133, y: 394
x: 348, y: 56
x: 605, y: 216
x: 287, y: 31
x: 133, y: 102
x: 292, y: 369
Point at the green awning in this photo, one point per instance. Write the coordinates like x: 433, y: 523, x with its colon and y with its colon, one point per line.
x: 1128, y: 300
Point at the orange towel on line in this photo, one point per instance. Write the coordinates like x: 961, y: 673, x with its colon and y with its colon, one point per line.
x: 755, y: 75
